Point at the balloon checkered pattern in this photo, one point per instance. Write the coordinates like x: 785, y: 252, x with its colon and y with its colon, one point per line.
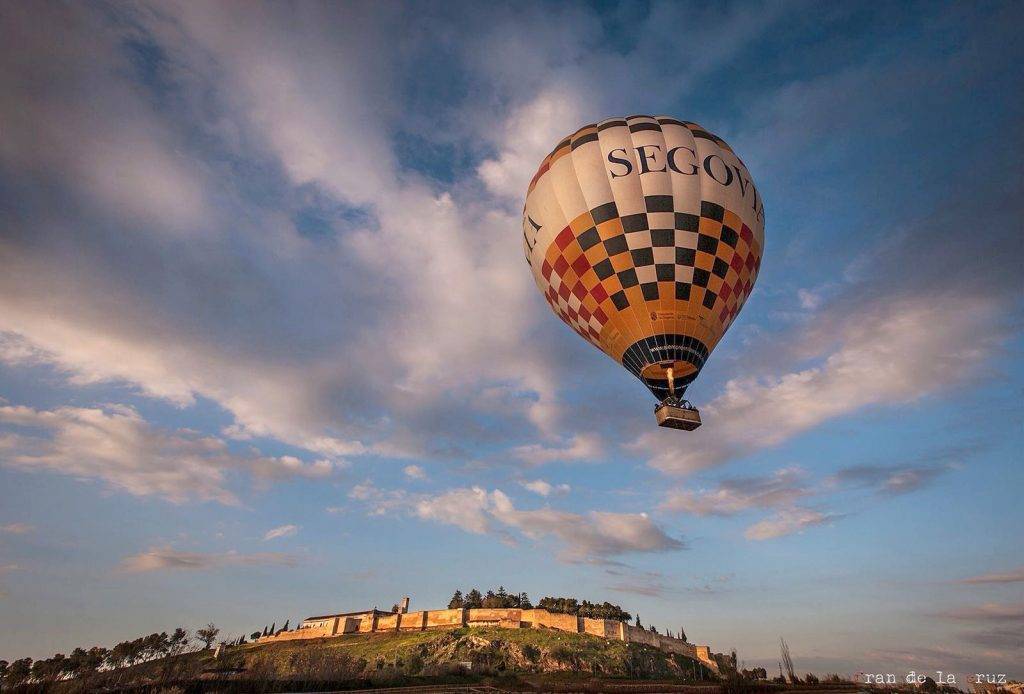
x: 645, y: 236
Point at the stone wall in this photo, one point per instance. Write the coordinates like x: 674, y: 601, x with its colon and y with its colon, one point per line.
x: 552, y: 620
x: 445, y: 618
x: 510, y: 618
x: 413, y: 621
x: 607, y: 628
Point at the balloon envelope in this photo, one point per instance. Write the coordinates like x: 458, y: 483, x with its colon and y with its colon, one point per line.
x: 645, y: 236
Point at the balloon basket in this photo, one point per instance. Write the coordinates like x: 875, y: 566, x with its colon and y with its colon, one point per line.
x: 675, y: 414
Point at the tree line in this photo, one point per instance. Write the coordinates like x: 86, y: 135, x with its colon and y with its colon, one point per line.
x: 81, y: 661
x: 502, y: 598
x: 474, y: 599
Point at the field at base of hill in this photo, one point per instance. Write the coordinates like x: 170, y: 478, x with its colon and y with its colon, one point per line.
x: 527, y: 659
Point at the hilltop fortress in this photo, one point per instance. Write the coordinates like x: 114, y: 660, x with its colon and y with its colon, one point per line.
x: 378, y: 621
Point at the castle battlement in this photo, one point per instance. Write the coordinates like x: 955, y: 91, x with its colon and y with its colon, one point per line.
x: 376, y: 621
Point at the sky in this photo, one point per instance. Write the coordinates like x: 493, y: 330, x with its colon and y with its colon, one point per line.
x: 269, y: 348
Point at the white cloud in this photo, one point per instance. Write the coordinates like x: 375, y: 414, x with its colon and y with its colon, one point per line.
x: 544, y: 488
x: 987, y: 612
x: 595, y: 536
x: 467, y: 509
x: 166, y: 558
x: 114, y: 444
x: 780, y: 492
x: 16, y: 528
x: 890, y: 353
x: 1010, y: 576
x: 890, y: 480
x: 586, y: 447
x: 281, y: 531
x: 592, y: 536
x: 735, y: 495
x: 414, y: 472
x: 531, y: 132
x: 788, y: 521
x: 809, y: 300
x: 318, y: 107
x: 380, y: 501
x: 120, y: 155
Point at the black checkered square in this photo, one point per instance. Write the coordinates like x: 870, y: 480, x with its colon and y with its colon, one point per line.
x: 589, y: 238
x: 721, y: 267
x: 701, y: 277
x: 658, y: 203
x: 708, y: 244
x: 650, y: 290
x: 666, y: 272
x: 687, y: 222
x: 642, y: 256
x: 686, y: 256
x: 602, y: 213
x: 616, y: 245
x: 604, y: 269
x: 663, y: 237
x: 635, y: 222
x: 729, y: 236
x: 628, y: 278
x: 712, y: 211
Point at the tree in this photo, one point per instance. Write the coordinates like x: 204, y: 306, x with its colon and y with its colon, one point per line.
x: 682, y: 633
x: 457, y: 602
x: 788, y: 661
x: 254, y: 635
x: 474, y: 599
x: 3, y: 669
x: 49, y: 669
x: 286, y: 622
x: 524, y: 601
x: 811, y: 678
x: 155, y: 646
x: 929, y: 685
x: 273, y: 628
x: 178, y: 641
x: 266, y: 630
x: 208, y: 634
x: 18, y: 672
x: 638, y: 624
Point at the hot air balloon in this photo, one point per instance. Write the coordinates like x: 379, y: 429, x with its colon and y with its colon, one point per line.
x: 645, y: 236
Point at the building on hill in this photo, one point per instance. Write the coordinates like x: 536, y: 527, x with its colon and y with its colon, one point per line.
x: 378, y: 621
x: 350, y: 622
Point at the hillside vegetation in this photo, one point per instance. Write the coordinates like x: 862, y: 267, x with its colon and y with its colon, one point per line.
x: 362, y: 660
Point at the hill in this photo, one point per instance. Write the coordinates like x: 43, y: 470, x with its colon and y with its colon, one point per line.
x: 468, y: 654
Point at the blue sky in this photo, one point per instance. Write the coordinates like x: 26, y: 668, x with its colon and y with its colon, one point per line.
x: 268, y: 346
